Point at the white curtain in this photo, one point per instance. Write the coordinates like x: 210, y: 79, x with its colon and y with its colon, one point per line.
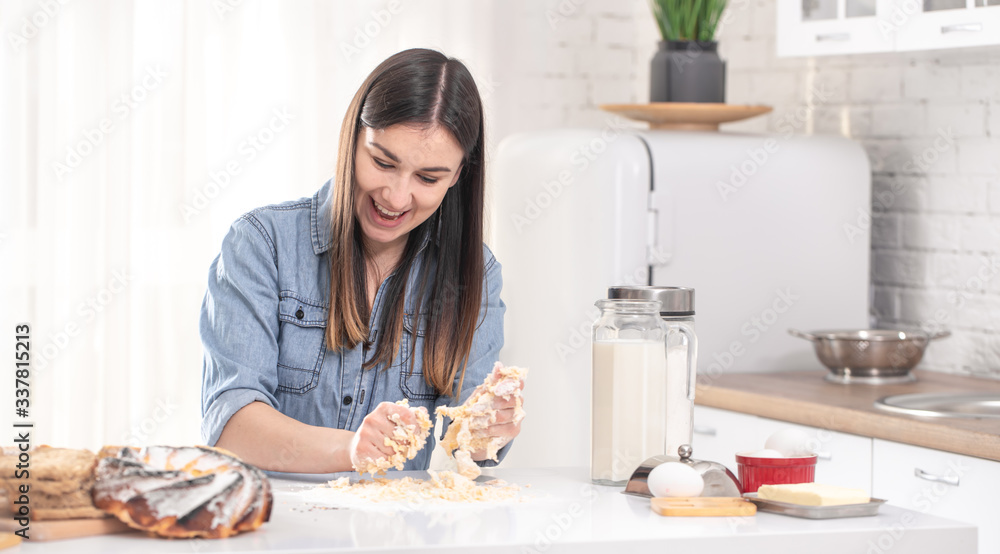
x: 132, y: 133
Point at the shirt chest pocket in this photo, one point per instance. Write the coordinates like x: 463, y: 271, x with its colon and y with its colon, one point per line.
x: 301, y: 343
x: 411, y: 380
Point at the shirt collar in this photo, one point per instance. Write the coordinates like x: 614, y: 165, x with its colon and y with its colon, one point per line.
x: 320, y: 220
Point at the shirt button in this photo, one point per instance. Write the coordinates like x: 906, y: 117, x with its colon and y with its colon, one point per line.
x: 300, y: 314
x: 348, y: 400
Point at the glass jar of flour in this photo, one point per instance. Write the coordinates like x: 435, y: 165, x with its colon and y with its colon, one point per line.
x: 629, y: 388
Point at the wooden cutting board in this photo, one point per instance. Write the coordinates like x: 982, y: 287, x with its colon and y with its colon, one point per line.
x: 58, y: 529
x: 8, y: 540
x: 703, y: 506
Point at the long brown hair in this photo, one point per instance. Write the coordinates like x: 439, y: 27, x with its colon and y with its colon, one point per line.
x: 422, y: 88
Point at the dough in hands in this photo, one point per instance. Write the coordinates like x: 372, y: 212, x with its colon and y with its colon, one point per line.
x: 406, y: 441
x: 469, y: 420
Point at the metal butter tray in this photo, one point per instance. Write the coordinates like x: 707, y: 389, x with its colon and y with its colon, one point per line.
x: 816, y: 512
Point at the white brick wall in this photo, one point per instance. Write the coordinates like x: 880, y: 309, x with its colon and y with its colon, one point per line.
x: 875, y: 84
x: 929, y: 80
x: 993, y: 184
x: 965, y: 119
x: 930, y: 122
x: 573, y: 55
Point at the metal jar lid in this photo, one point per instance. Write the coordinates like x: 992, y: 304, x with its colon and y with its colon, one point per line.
x: 674, y: 301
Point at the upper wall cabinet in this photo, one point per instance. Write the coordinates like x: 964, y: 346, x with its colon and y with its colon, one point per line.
x: 821, y: 27
x: 826, y: 27
x: 947, y: 24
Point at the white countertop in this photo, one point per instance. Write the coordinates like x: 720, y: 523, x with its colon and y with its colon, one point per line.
x: 566, y: 514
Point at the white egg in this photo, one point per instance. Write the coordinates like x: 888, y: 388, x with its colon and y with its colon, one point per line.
x: 675, y: 479
x: 790, y: 442
x: 765, y: 453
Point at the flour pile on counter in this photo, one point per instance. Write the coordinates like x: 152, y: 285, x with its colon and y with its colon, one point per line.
x: 405, y: 442
x: 444, y: 488
x: 476, y: 414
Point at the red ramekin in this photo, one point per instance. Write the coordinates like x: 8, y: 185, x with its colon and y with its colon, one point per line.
x: 755, y: 472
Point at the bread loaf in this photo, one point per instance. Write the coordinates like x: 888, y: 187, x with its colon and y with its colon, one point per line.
x: 59, y: 482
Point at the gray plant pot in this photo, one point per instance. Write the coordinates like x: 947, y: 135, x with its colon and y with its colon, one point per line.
x: 687, y: 71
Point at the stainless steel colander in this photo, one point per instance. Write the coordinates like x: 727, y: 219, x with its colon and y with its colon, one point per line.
x: 871, y: 356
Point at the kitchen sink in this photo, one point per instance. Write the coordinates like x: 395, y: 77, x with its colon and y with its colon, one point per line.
x: 968, y: 405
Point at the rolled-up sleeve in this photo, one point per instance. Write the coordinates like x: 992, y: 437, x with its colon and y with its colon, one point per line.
x: 239, y: 327
x: 486, y: 344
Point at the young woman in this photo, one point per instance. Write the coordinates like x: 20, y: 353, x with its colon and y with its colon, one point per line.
x: 322, y: 313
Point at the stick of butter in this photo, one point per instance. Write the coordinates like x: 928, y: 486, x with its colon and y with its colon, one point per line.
x: 813, y: 494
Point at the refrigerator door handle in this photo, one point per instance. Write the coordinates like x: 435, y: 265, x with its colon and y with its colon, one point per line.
x: 660, y: 242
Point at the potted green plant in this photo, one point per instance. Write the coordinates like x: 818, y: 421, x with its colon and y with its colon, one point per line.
x: 687, y: 67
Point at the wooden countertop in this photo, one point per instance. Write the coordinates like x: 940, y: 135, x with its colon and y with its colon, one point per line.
x: 804, y: 397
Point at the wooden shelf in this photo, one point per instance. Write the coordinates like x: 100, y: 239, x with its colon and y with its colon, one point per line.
x: 685, y: 116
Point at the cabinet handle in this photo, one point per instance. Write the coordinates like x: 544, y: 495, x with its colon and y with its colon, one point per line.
x: 699, y: 430
x: 961, y: 27
x: 936, y: 478
x: 833, y: 37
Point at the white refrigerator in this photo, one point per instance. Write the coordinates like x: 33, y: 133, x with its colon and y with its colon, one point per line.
x: 772, y: 232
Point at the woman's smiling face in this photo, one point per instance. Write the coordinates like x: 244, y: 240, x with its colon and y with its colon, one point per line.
x: 401, y: 176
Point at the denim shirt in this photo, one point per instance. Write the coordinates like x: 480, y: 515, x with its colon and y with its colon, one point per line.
x: 263, y: 327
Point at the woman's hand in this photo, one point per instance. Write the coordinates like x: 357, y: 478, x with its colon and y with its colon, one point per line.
x: 507, y: 424
x: 369, y: 440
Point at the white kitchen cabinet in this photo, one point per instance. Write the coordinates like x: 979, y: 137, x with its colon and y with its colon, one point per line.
x: 940, y: 483
x: 936, y: 24
x: 826, y: 27
x: 844, y: 460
